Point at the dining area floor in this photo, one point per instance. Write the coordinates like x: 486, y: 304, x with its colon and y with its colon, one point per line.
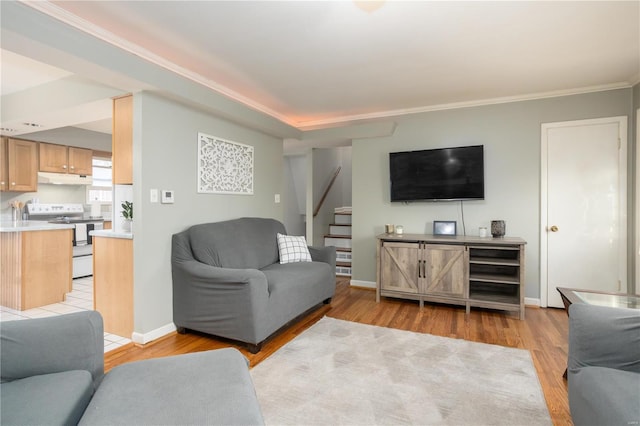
x: 79, y: 299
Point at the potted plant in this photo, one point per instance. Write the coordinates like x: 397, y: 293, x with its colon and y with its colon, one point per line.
x: 127, y: 214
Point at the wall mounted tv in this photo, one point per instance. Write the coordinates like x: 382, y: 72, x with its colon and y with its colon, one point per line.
x: 444, y: 174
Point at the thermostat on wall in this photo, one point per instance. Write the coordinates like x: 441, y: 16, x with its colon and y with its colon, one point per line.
x: 167, y: 196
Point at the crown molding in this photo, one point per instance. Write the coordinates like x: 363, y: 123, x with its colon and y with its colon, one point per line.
x: 333, y: 122
x: 83, y: 25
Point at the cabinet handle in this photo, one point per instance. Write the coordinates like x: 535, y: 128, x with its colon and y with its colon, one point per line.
x: 13, y: 183
x: 64, y: 166
x: 72, y: 167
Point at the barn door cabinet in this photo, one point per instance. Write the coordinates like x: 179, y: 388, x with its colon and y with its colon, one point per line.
x: 419, y: 271
x: 468, y: 271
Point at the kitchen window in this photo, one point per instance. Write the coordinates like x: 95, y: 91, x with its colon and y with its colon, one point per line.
x: 101, y: 190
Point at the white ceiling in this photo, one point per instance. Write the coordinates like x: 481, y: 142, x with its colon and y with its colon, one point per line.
x: 315, y: 64
x: 21, y: 73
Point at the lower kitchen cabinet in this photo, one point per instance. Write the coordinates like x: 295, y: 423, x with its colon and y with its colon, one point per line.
x: 469, y: 271
x: 36, y: 267
x: 113, y: 283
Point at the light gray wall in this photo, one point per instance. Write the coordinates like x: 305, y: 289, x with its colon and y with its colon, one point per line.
x: 165, y: 157
x: 294, y: 196
x: 345, y: 161
x: 325, y: 162
x: 510, y: 133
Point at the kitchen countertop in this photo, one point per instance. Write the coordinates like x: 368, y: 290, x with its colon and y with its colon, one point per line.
x: 32, y: 225
x: 110, y: 233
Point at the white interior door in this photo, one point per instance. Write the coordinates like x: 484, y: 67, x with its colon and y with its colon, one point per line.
x: 583, y: 235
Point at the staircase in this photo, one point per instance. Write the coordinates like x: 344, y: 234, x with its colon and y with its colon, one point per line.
x: 340, y: 237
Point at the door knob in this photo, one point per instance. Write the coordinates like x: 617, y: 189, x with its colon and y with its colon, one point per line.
x: 554, y: 228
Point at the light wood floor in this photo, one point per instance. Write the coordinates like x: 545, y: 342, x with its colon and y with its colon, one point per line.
x: 543, y: 333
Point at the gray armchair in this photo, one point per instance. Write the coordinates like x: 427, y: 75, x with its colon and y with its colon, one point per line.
x: 604, y: 365
x: 53, y: 374
x: 50, y: 368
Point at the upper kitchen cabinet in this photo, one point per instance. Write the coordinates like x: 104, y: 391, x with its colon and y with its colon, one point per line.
x: 80, y: 161
x: 65, y: 159
x: 122, y: 141
x: 18, y: 165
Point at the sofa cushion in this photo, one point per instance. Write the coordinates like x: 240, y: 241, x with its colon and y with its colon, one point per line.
x: 600, y: 395
x: 246, y: 243
x: 48, y: 399
x: 203, y: 388
x: 295, y: 288
x: 293, y: 249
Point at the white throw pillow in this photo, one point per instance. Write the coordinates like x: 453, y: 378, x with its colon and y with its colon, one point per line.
x: 293, y: 249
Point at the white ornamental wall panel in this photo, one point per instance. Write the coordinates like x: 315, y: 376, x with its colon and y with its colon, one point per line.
x: 224, y: 167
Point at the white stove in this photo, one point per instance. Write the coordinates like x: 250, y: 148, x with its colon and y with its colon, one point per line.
x: 72, y: 214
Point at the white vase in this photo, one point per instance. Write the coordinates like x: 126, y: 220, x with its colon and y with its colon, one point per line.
x: 127, y: 225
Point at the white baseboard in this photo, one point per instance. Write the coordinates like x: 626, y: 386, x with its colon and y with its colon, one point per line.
x: 144, y: 338
x: 363, y: 284
x: 531, y: 301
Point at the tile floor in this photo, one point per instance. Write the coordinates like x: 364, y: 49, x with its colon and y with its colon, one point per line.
x: 80, y: 299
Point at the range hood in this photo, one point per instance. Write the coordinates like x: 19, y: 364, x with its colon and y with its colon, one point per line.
x: 64, y: 179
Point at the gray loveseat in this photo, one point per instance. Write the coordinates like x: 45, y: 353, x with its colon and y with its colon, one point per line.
x: 604, y: 365
x: 228, y: 282
x: 53, y: 374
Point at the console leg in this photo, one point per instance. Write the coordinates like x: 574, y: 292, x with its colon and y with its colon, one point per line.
x: 327, y: 301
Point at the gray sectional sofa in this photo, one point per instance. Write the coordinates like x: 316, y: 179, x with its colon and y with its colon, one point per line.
x: 228, y: 282
x: 604, y: 365
x: 52, y: 373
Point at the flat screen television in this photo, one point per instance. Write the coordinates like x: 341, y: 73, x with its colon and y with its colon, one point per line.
x: 444, y: 174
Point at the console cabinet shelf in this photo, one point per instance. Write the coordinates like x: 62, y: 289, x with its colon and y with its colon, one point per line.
x: 469, y: 271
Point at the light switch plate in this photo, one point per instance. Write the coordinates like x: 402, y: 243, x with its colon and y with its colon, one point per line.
x: 167, y: 196
x: 153, y: 195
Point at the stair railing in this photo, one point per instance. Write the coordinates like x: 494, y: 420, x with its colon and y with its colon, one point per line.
x: 326, y: 191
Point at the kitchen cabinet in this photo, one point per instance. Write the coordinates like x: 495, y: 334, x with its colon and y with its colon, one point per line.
x: 122, y: 140
x: 113, y: 283
x: 469, y: 271
x: 36, y: 267
x: 18, y: 165
x: 65, y: 159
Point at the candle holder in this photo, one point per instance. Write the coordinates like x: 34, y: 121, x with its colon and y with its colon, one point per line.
x: 498, y: 228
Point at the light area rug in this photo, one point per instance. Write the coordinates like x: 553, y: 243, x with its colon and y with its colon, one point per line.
x: 341, y: 372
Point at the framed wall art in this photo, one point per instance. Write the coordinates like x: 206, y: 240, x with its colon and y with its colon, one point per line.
x: 224, y: 167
